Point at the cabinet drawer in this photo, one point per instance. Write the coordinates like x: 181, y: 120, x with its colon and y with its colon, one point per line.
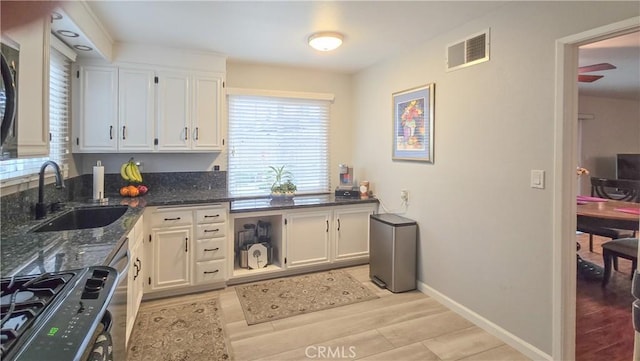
x: 212, y: 230
x: 210, y: 271
x: 210, y: 249
x: 170, y: 218
x: 211, y: 215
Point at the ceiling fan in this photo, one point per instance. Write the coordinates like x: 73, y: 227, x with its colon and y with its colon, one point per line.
x: 585, y: 78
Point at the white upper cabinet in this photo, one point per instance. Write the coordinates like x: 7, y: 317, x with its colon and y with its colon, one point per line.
x: 174, y: 111
x: 115, y: 110
x: 207, y: 115
x: 95, y: 123
x: 189, y: 111
x: 147, y: 109
x: 136, y: 99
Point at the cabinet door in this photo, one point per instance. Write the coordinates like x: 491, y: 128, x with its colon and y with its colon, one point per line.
x: 171, y: 261
x: 138, y: 260
x: 174, y: 111
x: 307, y: 238
x: 134, y: 296
x: 136, y: 94
x: 96, y: 123
x: 206, y: 115
x: 351, y: 232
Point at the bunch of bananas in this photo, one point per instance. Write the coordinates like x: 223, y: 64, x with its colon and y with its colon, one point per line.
x: 130, y: 172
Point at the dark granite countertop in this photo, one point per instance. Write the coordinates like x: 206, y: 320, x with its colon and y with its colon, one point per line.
x: 25, y: 252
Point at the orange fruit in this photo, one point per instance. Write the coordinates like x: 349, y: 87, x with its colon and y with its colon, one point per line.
x: 133, y: 191
x: 124, y: 191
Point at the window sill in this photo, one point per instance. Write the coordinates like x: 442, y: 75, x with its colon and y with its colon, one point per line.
x: 22, y: 183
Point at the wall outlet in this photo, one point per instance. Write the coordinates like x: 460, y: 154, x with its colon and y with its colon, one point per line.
x: 404, y: 195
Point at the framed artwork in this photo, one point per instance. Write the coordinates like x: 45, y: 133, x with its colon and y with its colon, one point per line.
x: 413, y: 124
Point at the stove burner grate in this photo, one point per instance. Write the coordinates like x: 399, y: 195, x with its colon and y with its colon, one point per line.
x: 22, y: 300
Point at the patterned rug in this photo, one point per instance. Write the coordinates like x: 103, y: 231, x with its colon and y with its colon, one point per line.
x: 184, y: 331
x: 285, y: 297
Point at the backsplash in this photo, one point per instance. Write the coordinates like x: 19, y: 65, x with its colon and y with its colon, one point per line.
x: 19, y: 207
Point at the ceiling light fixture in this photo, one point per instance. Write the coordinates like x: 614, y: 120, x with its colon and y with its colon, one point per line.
x: 325, y: 41
x: 68, y: 33
x: 83, y: 47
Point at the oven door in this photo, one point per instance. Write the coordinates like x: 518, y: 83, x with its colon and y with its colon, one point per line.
x: 101, y: 348
x: 118, y: 305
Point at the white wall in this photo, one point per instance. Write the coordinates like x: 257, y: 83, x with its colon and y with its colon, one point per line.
x: 615, y: 128
x: 485, y: 236
x: 270, y: 77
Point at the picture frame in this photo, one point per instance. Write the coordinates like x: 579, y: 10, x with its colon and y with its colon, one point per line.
x: 413, y: 118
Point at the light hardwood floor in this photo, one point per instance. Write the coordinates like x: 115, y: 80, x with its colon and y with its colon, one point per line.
x: 403, y: 326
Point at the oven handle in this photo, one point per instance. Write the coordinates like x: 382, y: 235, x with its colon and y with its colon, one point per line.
x: 107, y: 321
x: 121, y: 260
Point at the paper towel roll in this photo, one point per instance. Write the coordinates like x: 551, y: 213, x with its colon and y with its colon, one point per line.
x: 98, y: 181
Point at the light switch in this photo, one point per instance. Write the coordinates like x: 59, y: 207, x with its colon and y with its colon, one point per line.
x: 537, y: 178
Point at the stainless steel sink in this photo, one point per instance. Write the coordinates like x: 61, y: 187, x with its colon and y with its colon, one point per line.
x: 83, y: 218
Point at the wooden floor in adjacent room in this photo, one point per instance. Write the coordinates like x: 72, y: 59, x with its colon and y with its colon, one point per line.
x: 603, y: 316
x: 403, y: 326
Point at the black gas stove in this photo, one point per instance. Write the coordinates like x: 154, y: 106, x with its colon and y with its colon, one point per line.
x: 55, y: 316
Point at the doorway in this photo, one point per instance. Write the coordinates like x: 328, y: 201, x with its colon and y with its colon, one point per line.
x: 565, y: 162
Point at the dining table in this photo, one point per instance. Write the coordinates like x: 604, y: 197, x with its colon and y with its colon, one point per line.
x: 608, y: 213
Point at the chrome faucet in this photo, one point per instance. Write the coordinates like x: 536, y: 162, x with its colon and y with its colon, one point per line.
x: 41, y: 207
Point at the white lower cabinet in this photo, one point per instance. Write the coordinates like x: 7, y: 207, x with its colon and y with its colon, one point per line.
x: 171, y: 259
x: 188, y: 246
x: 307, y: 237
x: 210, y: 271
x: 351, y: 231
x: 209, y: 249
x: 135, y: 281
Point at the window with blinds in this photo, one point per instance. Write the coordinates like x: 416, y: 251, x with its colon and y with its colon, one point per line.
x: 59, y: 104
x: 275, y: 131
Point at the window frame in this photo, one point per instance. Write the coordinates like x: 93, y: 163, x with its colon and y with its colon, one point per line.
x: 323, y: 182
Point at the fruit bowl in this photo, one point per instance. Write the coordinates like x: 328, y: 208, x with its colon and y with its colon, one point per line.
x: 133, y: 191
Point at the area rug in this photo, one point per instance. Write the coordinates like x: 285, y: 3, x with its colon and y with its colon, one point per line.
x: 184, y: 331
x: 286, y: 297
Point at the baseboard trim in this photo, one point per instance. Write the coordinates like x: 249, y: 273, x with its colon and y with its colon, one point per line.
x: 505, y: 336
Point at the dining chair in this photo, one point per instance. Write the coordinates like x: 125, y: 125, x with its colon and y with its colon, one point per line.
x: 626, y: 248
x: 627, y: 190
x: 616, y: 189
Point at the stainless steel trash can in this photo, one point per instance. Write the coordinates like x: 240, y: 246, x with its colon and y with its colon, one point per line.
x: 392, y: 252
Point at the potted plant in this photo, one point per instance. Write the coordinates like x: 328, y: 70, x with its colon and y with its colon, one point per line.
x: 281, y: 188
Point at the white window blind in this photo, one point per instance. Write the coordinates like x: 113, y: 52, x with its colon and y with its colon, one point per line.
x: 275, y: 131
x: 59, y: 104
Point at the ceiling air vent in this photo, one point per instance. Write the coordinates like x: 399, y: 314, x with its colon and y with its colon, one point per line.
x: 473, y: 50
